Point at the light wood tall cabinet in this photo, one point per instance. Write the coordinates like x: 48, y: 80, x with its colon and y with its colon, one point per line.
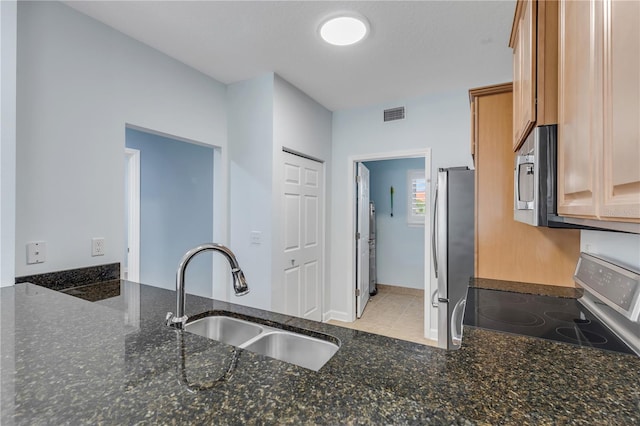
x: 534, y: 40
x: 599, y: 110
x: 506, y: 249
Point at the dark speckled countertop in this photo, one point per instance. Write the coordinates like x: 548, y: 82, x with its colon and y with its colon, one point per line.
x: 520, y: 287
x: 71, y: 361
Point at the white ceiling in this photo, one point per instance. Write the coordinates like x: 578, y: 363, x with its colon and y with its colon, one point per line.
x: 415, y: 47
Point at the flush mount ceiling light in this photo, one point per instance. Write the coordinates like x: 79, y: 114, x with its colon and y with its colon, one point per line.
x: 344, y: 30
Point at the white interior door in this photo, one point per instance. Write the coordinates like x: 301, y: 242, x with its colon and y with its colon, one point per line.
x: 362, y: 240
x: 302, y: 207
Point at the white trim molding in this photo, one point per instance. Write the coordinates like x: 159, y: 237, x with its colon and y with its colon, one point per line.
x: 337, y: 316
x: 133, y: 214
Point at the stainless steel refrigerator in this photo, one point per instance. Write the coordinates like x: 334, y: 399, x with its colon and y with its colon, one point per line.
x: 452, y: 250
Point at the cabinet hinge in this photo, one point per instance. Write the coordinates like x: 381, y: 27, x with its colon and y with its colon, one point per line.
x: 357, y: 235
x: 357, y: 292
x: 357, y: 179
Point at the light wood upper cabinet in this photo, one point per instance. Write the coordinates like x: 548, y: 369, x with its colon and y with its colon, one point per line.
x: 524, y: 58
x: 576, y: 128
x: 599, y: 110
x: 620, y: 195
x: 534, y: 40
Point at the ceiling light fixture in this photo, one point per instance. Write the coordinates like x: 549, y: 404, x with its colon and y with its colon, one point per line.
x: 344, y: 30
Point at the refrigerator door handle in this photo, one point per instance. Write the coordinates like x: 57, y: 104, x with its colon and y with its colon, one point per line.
x: 456, y: 322
x: 434, y: 303
x: 434, y: 253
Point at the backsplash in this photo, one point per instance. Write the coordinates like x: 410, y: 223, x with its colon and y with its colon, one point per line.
x: 70, y: 278
x: 619, y: 248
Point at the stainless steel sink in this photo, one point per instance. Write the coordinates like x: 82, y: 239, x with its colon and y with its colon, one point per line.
x: 305, y: 351
x: 228, y: 330
x: 295, y: 348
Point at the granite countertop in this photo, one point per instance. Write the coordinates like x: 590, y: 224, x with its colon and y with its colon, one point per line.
x: 70, y: 361
x: 529, y: 288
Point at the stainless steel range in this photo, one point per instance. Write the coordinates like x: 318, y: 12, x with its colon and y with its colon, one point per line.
x: 612, y: 293
x: 605, y: 317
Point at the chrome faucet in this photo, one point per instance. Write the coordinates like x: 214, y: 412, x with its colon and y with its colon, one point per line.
x: 239, y: 282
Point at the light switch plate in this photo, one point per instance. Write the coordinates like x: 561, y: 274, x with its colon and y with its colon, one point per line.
x: 36, y: 252
x: 256, y: 237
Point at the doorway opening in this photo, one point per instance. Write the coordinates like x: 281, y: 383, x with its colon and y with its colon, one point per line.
x: 391, y: 267
x: 169, y: 208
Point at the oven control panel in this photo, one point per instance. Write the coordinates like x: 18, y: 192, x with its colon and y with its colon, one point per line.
x: 616, y: 286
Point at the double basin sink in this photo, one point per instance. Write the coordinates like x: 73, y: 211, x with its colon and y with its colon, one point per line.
x: 295, y: 348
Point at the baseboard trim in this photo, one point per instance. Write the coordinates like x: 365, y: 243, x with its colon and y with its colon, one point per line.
x: 335, y: 315
x: 390, y: 288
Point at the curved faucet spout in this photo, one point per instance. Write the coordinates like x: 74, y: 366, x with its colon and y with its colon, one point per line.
x: 239, y: 282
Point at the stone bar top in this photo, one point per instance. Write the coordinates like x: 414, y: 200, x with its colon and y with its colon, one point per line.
x: 66, y: 360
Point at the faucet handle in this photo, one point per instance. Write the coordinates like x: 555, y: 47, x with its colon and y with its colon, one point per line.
x: 173, y: 321
x: 168, y: 318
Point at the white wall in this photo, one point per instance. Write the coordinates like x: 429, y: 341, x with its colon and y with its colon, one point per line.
x: 267, y: 114
x: 8, y: 43
x: 79, y: 83
x: 399, y: 246
x: 300, y: 125
x: 299, y: 122
x: 438, y: 121
x: 250, y: 128
x: 623, y: 249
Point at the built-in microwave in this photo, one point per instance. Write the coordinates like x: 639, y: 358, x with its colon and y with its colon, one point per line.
x: 535, y: 179
x: 535, y: 199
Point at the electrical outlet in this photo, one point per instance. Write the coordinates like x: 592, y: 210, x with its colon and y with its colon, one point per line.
x: 36, y: 252
x: 97, y: 247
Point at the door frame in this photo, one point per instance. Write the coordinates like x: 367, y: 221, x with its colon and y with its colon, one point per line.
x: 351, y: 228
x: 132, y: 157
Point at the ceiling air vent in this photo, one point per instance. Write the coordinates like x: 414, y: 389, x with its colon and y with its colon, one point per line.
x: 394, y: 114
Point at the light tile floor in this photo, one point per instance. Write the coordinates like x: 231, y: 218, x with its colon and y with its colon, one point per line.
x: 394, y: 312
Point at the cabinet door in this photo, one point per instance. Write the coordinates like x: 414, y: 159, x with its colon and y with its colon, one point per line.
x: 579, y: 108
x: 620, y: 197
x: 524, y: 63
